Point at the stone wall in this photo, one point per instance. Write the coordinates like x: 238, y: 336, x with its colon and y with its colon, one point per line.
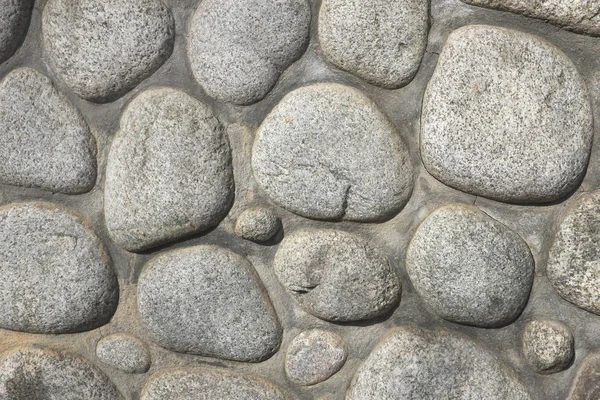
x: 293, y: 199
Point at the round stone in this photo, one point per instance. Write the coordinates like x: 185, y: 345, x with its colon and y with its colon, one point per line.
x: 151, y: 196
x: 336, y: 276
x: 14, y: 20
x: 104, y: 48
x: 411, y: 363
x: 314, y: 356
x: 238, y: 48
x: 257, y: 224
x: 506, y: 115
x: 56, y: 274
x: 548, y: 346
x: 381, y: 41
x: 46, y: 142
x: 327, y: 152
x: 469, y: 268
x: 575, y: 255
x: 124, y: 352
x: 44, y: 374
x: 587, y: 383
x: 208, y: 301
x: 209, y: 384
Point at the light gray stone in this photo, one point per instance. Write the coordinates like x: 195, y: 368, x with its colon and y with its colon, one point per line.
x: 238, y: 48
x: 209, y: 384
x: 14, y: 21
x: 580, y: 16
x: 327, y: 152
x: 169, y: 172
x: 257, y: 224
x: 548, y: 346
x: 209, y: 301
x: 414, y: 364
x: 587, y: 382
x: 575, y: 254
x: 56, y: 274
x: 45, y: 374
x: 125, y: 352
x: 381, y: 41
x: 506, y: 116
x: 336, y: 276
x: 45, y: 141
x: 104, y: 48
x: 314, y: 356
x: 469, y: 268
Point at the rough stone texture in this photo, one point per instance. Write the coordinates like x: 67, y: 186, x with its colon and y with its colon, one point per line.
x: 381, y: 41
x: 209, y: 384
x: 314, y: 356
x: 574, y: 256
x: 151, y: 197
x: 124, y: 352
x: 506, y: 116
x: 45, y: 141
x: 335, y: 275
x: 327, y: 152
x: 56, y: 274
x: 548, y: 346
x: 238, y: 48
x: 103, y: 48
x: 469, y: 268
x: 14, y: 20
x: 257, y: 224
x: 587, y: 383
x: 44, y: 374
x: 209, y: 301
x: 580, y: 16
x: 414, y: 364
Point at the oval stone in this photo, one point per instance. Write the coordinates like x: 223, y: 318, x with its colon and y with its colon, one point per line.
x: 257, y: 224
x: 125, y: 352
x: 14, y: 20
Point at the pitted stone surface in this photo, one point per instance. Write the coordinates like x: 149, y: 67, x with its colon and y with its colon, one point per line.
x: 586, y: 385
x: 314, y: 356
x: 580, y: 16
x: 257, y: 224
x: 574, y: 257
x: 44, y: 374
x: 14, y: 20
x: 336, y: 276
x: 104, y: 48
x: 169, y: 172
x: 327, y: 152
x: 506, y: 116
x: 209, y: 384
x: 238, y: 48
x: 56, y: 274
x: 45, y: 141
x: 381, y: 41
x: 548, y: 346
x: 124, y: 352
x: 209, y: 301
x: 413, y: 364
x: 469, y: 268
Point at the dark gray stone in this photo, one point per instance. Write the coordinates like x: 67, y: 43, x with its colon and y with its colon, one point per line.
x: 257, y: 224
x: 124, y: 352
x: 14, y: 21
x: 548, y: 346
x: 587, y: 382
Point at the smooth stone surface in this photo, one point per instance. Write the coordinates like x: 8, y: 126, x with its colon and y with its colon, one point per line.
x: 336, y: 276
x: 238, y: 48
x: 257, y: 224
x: 14, y: 21
x: 45, y: 374
x: 575, y: 254
x: 209, y: 301
x: 124, y: 352
x: 151, y: 196
x: 469, y: 268
x: 46, y: 143
x: 575, y: 15
x: 56, y: 274
x: 327, y: 152
x: 587, y: 383
x: 209, y: 384
x: 506, y: 115
x: 548, y: 346
x: 314, y: 356
x: 414, y: 364
x: 104, y: 48
x: 381, y: 41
